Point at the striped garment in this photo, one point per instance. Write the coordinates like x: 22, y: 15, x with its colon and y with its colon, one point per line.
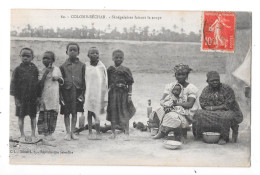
x: 172, y: 119
x: 47, y: 122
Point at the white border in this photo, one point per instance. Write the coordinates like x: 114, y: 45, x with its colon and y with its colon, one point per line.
x: 201, y: 5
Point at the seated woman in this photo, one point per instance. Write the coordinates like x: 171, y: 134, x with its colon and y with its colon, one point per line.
x: 219, y: 112
x: 171, y: 119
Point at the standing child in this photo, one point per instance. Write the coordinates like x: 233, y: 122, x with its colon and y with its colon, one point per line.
x: 73, y: 89
x: 49, y: 104
x: 96, y: 90
x: 24, y: 85
x: 120, y: 106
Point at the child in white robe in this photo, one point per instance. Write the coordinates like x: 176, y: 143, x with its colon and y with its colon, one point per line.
x: 96, y: 91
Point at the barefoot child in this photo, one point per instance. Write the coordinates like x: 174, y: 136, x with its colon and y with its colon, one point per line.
x: 120, y: 106
x: 24, y: 85
x: 96, y: 90
x: 73, y: 89
x: 49, y: 103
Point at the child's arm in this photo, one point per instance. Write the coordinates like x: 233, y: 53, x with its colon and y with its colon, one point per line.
x: 57, y: 76
x: 41, y: 82
x: 13, y: 87
x: 60, y: 87
x: 82, y: 95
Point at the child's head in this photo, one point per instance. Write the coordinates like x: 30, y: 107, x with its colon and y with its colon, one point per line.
x: 26, y: 55
x: 48, y: 58
x: 93, y: 54
x: 72, y: 50
x: 118, y: 57
x: 176, y: 91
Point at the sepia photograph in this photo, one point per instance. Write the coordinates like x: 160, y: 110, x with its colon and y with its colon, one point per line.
x: 129, y: 87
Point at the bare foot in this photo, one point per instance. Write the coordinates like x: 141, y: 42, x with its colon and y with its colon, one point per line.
x: 126, y: 137
x: 22, y: 139
x: 98, y: 137
x: 50, y: 138
x: 74, y: 137
x: 234, y: 140
x: 34, y: 139
x: 67, y: 137
x: 91, y: 137
x: 159, y: 135
x: 183, y: 140
x: 222, y: 142
x: 112, y: 136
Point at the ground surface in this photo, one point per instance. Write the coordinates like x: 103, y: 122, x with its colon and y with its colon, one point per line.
x: 141, y: 149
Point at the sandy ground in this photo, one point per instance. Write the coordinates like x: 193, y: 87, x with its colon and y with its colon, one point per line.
x: 141, y: 149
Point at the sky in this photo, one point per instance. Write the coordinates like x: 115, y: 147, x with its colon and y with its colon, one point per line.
x: 189, y: 21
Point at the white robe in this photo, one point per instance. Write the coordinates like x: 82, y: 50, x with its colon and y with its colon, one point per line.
x: 96, y: 88
x: 50, y: 93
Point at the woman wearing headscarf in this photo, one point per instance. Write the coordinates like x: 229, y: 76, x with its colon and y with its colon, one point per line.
x: 171, y: 120
x: 219, y: 112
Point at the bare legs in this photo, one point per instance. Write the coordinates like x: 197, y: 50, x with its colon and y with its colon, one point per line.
x: 21, y: 127
x: 73, y: 124
x: 67, y: 126
x: 70, y: 128
x: 126, y: 128
x: 97, y: 126
x: 90, y: 122
x: 123, y: 126
x: 113, y: 128
x: 160, y: 134
x: 33, y: 127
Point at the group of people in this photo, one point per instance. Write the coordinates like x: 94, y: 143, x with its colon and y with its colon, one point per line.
x: 215, y: 110
x: 77, y: 87
x: 73, y: 87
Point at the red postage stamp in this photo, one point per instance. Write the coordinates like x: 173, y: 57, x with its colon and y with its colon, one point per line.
x: 218, y: 31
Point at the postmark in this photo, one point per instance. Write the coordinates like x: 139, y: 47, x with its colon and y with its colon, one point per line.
x: 218, y: 31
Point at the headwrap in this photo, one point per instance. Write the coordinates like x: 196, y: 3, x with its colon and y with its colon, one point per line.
x: 182, y: 68
x: 212, y: 75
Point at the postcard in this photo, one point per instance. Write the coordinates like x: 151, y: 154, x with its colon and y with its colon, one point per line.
x: 121, y: 87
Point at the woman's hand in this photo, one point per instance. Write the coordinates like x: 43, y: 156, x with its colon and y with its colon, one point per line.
x: 167, y: 109
x: 215, y: 108
x: 210, y: 108
x: 174, y: 103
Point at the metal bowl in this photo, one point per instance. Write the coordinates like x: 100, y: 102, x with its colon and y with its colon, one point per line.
x: 211, y: 137
x: 154, y: 131
x: 171, y: 144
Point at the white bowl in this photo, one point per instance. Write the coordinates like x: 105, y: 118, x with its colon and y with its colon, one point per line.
x: 211, y: 137
x: 171, y: 144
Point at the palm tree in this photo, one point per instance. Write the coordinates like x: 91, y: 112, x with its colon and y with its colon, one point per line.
x: 182, y: 30
x: 175, y: 27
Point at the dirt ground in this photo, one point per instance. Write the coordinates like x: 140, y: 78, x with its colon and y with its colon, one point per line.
x: 141, y: 149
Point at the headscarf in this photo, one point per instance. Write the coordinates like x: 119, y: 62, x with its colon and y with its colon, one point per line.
x: 212, y: 75
x: 173, y: 85
x: 182, y: 68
